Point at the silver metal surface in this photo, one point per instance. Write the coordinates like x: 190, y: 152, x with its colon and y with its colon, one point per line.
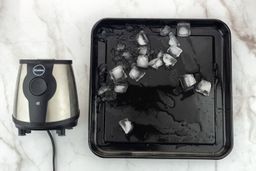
x: 64, y: 103
x: 21, y: 105
x: 59, y: 106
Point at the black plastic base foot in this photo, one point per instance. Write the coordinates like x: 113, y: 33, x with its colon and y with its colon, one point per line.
x: 61, y: 132
x: 23, y: 132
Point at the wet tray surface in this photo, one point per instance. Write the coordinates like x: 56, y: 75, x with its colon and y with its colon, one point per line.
x: 167, y: 121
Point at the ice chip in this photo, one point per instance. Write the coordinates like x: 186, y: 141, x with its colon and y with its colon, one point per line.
x: 127, y: 55
x: 169, y: 60
x: 136, y: 74
x: 120, y: 47
x: 121, y: 88
x: 187, y: 81
x: 172, y: 40
x: 126, y: 125
x: 103, y: 89
x: 174, y: 51
x: 143, y: 50
x: 165, y: 31
x: 106, y: 93
x: 204, y: 87
x: 183, y: 29
x: 117, y: 73
x: 142, y: 38
x: 142, y: 61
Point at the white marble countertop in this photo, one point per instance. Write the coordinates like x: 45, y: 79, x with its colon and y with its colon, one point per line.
x: 61, y: 29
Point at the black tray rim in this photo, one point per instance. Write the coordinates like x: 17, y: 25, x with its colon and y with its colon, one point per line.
x: 216, y: 156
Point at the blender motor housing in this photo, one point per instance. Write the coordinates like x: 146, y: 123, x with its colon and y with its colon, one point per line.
x: 46, y: 96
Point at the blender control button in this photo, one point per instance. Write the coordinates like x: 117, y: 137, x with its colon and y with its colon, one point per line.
x: 37, y: 86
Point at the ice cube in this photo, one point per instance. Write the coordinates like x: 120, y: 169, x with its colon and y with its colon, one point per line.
x: 127, y: 55
x: 187, y: 81
x: 120, y: 47
x: 169, y: 60
x: 143, y: 50
x: 103, y: 89
x: 165, y: 30
x: 121, y: 88
x: 172, y: 40
x: 142, y: 61
x: 174, y: 51
x: 204, y: 87
x: 183, y: 29
x: 156, y: 63
x: 117, y: 73
x: 126, y: 125
x: 142, y: 38
x: 136, y: 74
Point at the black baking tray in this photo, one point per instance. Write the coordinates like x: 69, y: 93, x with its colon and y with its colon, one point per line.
x: 197, y: 127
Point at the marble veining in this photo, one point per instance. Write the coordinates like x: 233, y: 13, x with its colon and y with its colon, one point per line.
x: 60, y: 29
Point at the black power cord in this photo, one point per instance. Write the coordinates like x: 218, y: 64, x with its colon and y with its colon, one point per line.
x: 53, y: 150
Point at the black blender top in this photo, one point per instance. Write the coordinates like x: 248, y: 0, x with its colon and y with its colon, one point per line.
x: 44, y: 61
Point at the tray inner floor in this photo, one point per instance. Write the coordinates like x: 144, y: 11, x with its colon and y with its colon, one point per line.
x: 191, y: 121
